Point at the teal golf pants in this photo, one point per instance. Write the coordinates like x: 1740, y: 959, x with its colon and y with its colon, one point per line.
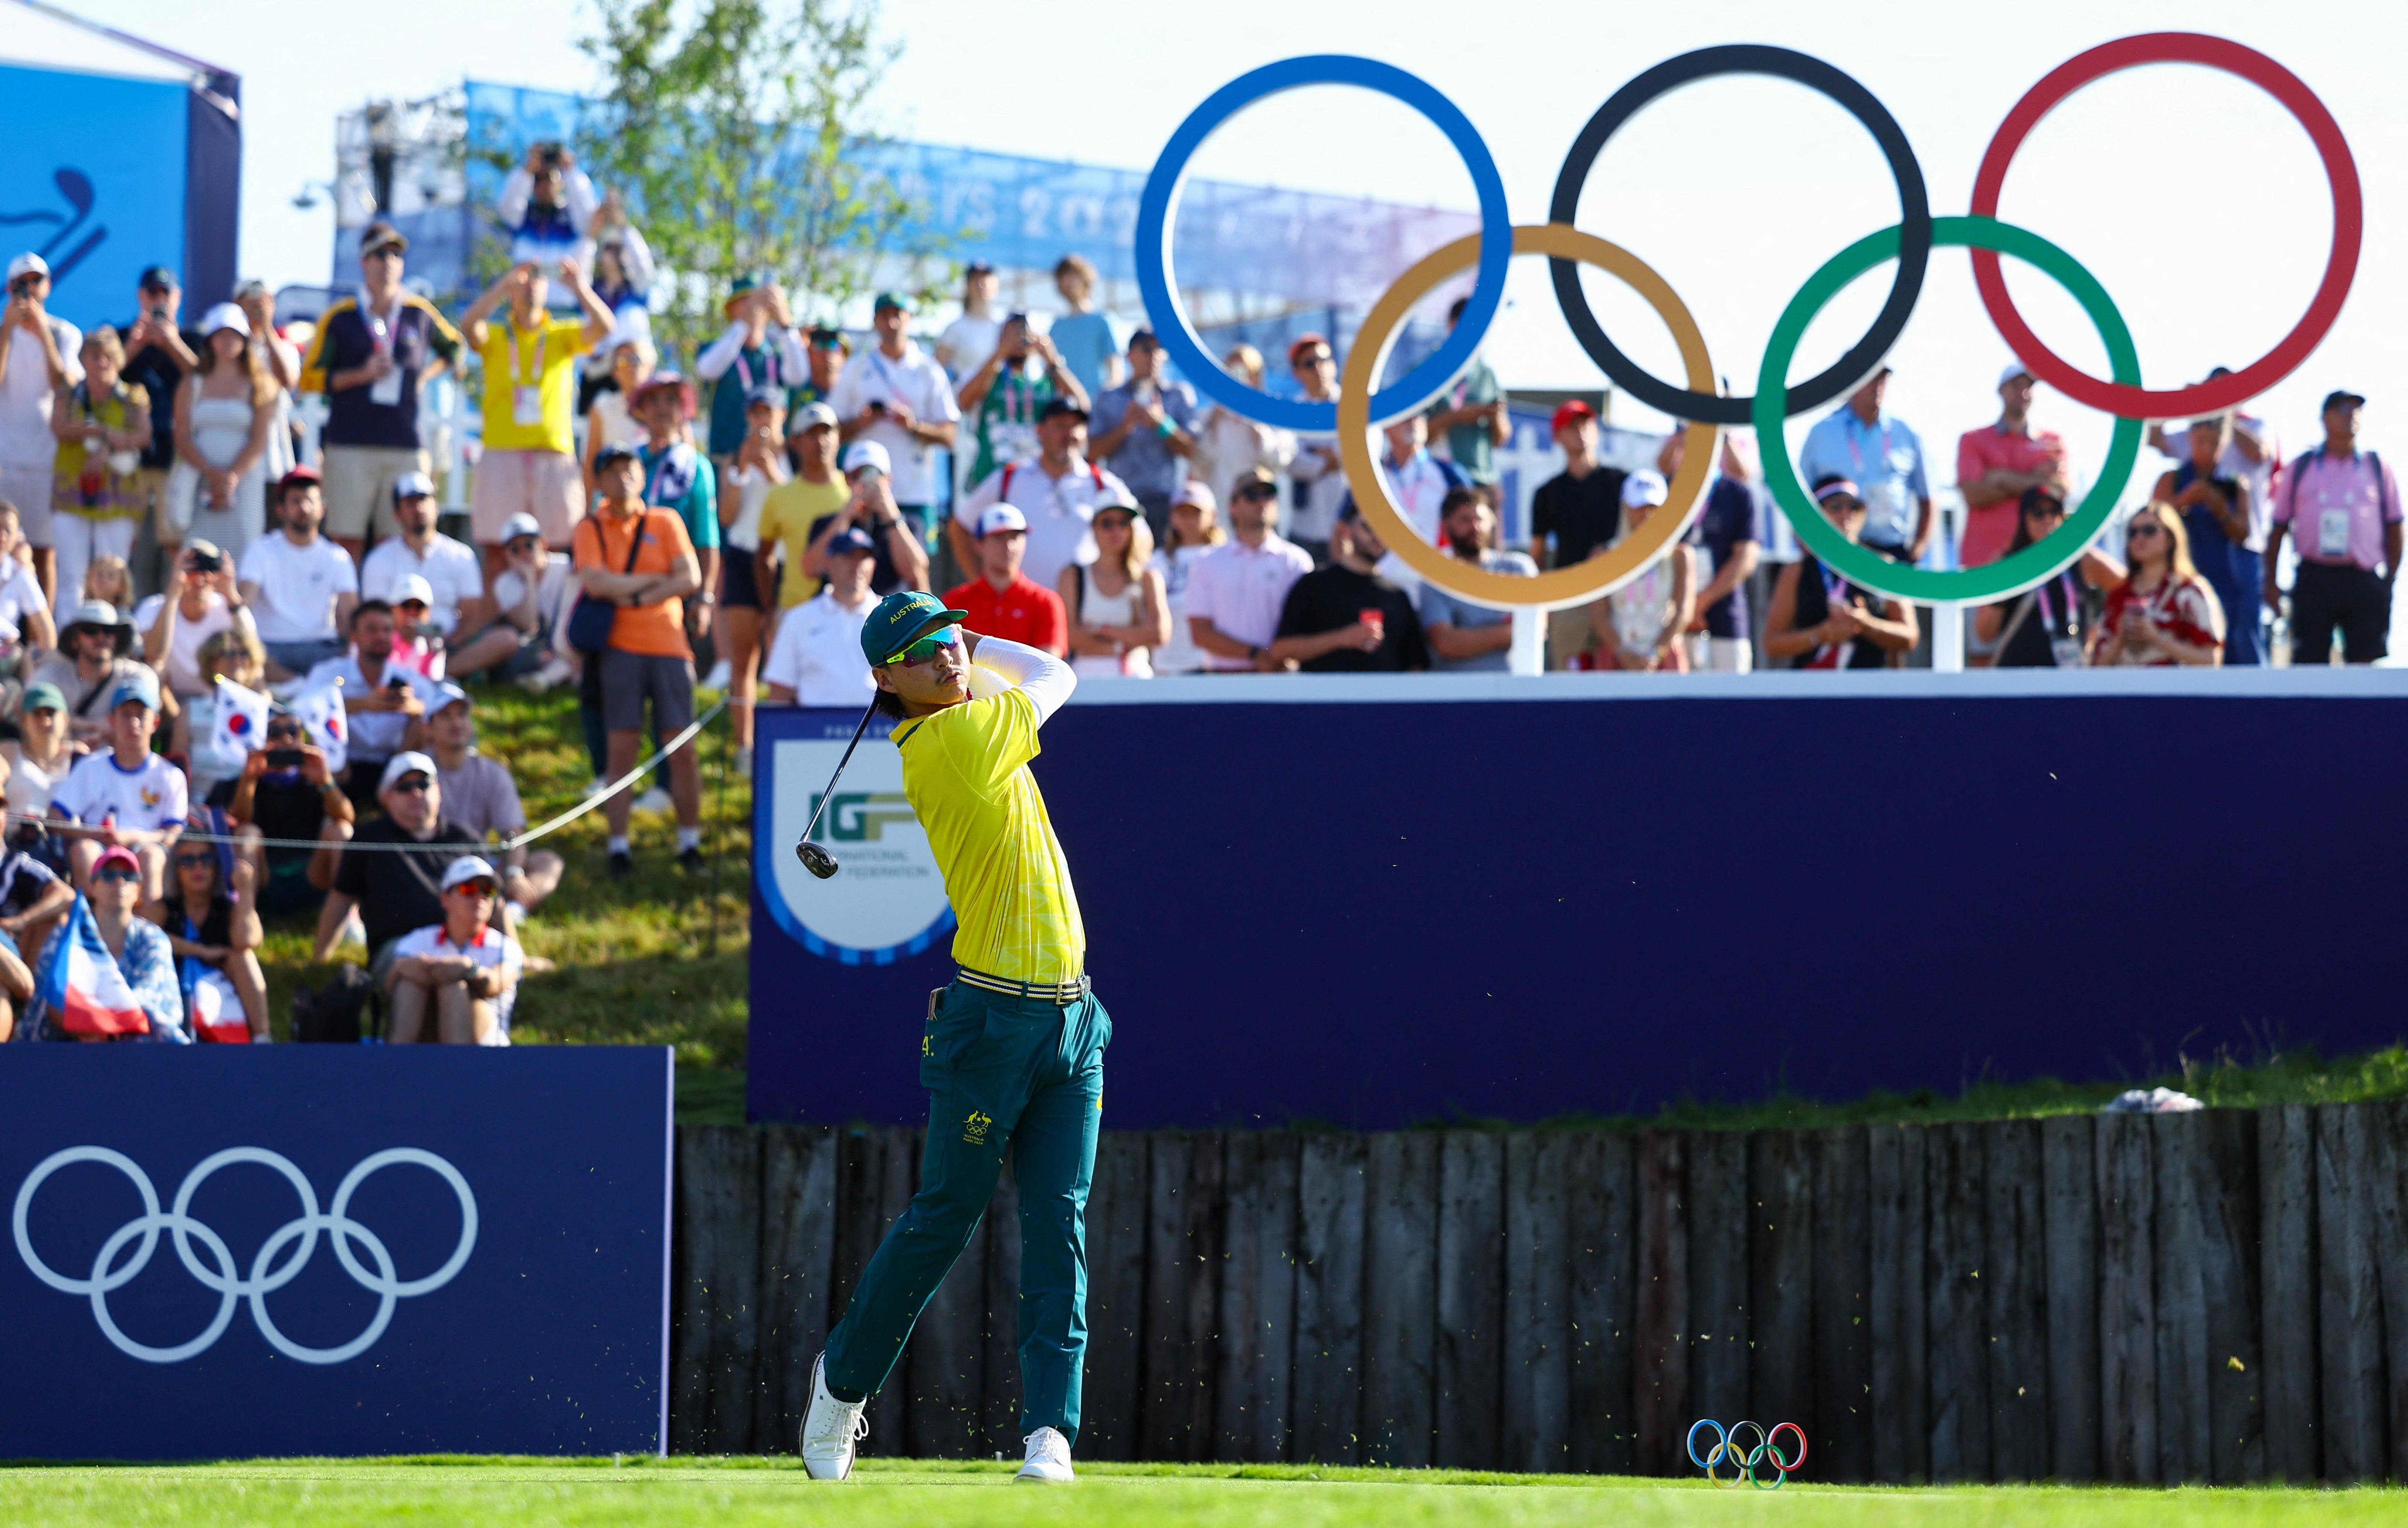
x: 1000, y: 1071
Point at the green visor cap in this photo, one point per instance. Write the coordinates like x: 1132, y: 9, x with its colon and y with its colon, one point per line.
x: 900, y: 619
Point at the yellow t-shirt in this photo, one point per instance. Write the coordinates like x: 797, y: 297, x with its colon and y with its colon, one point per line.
x: 553, y: 349
x: 786, y: 518
x: 966, y: 771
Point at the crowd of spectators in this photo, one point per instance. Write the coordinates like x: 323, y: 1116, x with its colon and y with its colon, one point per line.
x: 183, y: 766
x: 290, y: 695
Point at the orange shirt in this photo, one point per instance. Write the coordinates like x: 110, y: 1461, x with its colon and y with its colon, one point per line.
x: 601, y: 541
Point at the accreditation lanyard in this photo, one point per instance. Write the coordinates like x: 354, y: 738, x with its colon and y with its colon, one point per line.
x: 769, y: 365
x: 2064, y: 581
x: 526, y: 398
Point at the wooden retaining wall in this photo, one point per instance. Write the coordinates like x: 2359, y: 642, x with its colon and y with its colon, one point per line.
x: 2216, y: 1296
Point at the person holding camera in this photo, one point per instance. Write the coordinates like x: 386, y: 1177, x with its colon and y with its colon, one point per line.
x: 870, y: 508
x: 759, y: 349
x: 549, y: 206
x: 38, y: 357
x: 287, y: 791
x: 370, y: 356
x: 201, y: 601
x: 383, y: 699
x: 530, y: 359
x: 896, y: 394
x: 1004, y: 398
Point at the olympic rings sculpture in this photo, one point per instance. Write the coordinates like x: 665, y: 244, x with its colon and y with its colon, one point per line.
x: 1910, y: 243
x: 266, y: 1275
x: 1743, y: 1465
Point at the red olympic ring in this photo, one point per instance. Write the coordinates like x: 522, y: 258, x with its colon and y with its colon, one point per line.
x: 2340, y: 266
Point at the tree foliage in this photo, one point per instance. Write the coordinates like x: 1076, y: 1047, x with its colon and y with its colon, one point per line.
x: 735, y: 131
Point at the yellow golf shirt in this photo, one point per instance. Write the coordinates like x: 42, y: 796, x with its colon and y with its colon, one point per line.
x: 966, y: 771
x: 545, y: 359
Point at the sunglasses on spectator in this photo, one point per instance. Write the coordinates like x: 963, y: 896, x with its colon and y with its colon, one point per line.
x: 116, y: 873
x: 2138, y: 531
x: 1314, y: 358
x: 475, y: 888
x: 925, y: 648
x: 283, y: 734
x: 185, y: 862
x: 411, y: 785
x: 520, y: 543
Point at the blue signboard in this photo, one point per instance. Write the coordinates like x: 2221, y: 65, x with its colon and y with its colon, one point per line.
x: 226, y: 1253
x: 1385, y: 899
x: 93, y: 182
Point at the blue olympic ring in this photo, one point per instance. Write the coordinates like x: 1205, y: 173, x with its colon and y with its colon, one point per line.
x: 1743, y: 1465
x: 1154, y: 226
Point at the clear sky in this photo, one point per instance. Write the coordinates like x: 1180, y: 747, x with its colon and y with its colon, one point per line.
x: 2192, y: 197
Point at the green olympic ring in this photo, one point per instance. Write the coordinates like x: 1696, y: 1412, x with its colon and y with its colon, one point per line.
x: 2037, y: 562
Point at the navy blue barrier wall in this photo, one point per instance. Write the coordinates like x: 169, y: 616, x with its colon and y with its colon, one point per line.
x: 1377, y: 901
x: 502, y: 1284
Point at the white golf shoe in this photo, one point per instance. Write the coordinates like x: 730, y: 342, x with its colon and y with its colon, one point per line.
x: 1048, y: 1459
x: 831, y: 1428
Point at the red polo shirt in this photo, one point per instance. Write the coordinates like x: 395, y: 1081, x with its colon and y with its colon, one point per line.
x: 1023, y: 610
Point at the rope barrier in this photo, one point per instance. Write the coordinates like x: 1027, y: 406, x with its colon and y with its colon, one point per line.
x: 504, y: 846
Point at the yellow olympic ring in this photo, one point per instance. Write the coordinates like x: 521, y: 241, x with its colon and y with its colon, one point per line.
x: 1559, y: 588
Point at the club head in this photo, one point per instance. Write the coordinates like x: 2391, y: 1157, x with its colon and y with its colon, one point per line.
x: 77, y: 188
x: 818, y: 861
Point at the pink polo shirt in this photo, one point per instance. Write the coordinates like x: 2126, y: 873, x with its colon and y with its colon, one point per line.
x: 1240, y: 588
x: 1989, y: 527
x: 2336, y: 508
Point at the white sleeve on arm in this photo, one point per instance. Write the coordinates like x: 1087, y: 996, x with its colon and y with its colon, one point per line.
x: 518, y: 188
x: 720, y: 354
x: 1048, y: 679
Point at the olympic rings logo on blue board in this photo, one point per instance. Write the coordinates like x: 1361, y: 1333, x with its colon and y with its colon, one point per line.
x: 267, y: 1276
x: 1910, y: 243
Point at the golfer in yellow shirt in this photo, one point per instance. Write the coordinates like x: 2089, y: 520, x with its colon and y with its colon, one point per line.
x: 1014, y: 1051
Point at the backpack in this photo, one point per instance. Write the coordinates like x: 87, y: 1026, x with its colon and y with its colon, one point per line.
x: 331, y: 1015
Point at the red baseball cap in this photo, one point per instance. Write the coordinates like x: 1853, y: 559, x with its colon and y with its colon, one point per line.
x: 1569, y: 413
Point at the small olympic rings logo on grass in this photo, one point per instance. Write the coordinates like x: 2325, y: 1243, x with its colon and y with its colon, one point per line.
x: 267, y: 1276
x: 1744, y: 1463
x: 1361, y: 402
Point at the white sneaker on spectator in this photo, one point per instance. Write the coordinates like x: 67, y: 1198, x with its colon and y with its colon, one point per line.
x: 830, y: 1429
x: 355, y: 932
x: 1048, y: 1459
x: 718, y: 677
x: 743, y: 761
x: 555, y: 671
x: 595, y: 786
x: 654, y: 800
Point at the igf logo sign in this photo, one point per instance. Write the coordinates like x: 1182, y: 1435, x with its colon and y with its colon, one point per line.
x: 887, y: 901
x: 860, y: 817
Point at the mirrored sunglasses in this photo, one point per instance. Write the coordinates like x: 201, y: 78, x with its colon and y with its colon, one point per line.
x: 116, y: 873
x: 927, y: 648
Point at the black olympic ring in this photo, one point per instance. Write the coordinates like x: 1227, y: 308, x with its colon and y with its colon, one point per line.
x: 1914, y: 227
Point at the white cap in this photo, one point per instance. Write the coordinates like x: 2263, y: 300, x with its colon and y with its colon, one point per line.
x: 414, y: 586
x: 1197, y: 492
x: 467, y: 867
x: 225, y: 316
x: 28, y: 261
x: 867, y: 453
x: 520, y: 524
x: 1001, y: 517
x: 2014, y: 369
x: 410, y: 762
x: 1644, y: 488
x: 811, y: 416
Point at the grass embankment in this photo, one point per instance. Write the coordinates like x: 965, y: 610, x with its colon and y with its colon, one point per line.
x: 887, y: 1494
x: 644, y: 962
x: 654, y: 960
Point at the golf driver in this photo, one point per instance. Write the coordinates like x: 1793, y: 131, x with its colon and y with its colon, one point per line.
x: 818, y: 861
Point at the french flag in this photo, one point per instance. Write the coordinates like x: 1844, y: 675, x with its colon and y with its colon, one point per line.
x: 86, y: 992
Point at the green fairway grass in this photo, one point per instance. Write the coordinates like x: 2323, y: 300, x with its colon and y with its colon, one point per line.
x: 893, y: 1493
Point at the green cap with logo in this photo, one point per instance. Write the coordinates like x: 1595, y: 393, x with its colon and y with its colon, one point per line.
x: 900, y: 619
